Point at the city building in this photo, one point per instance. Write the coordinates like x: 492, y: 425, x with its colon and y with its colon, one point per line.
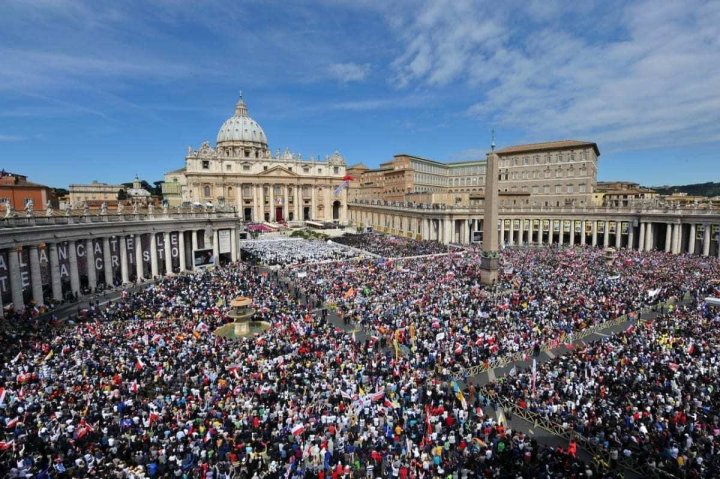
x: 17, y: 191
x: 621, y: 193
x: 137, y: 194
x: 558, y: 173
x: 94, y: 194
x: 242, y: 171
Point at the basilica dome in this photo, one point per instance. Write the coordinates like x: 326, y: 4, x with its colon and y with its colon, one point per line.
x: 240, y: 128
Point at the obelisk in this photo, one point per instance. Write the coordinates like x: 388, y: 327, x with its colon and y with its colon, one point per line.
x: 490, y: 254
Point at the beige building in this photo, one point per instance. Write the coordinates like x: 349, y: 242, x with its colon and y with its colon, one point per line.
x: 558, y: 173
x: 94, y: 193
x: 241, y: 171
x: 621, y: 193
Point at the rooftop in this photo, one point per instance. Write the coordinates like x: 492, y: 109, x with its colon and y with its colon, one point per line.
x: 548, y: 145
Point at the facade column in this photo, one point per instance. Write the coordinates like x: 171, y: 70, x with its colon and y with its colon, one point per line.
x: 327, y: 191
x: 73, y: 263
x: 90, y: 258
x: 258, y: 203
x: 668, y: 237
x: 153, y: 256
x: 107, y: 262
x: 313, y: 202
x: 631, y: 235
x: 216, y: 247
x: 641, y: 245
x: 606, y: 236
x: 168, y: 253
x: 139, y: 270
x: 181, y: 250
x: 594, y: 232
x: 16, y: 289
x: 271, y: 189
x: 572, y: 232
x: 511, y: 237
x: 37, y: 291
x: 286, y: 203
x: 691, y: 243
x: 583, y: 229
x: 124, y: 273
x: 233, y: 244
x: 55, y: 272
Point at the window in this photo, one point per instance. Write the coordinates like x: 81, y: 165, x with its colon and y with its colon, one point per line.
x: 246, y: 167
x: 228, y: 167
x: 570, y: 189
x: 206, y: 191
x: 206, y: 164
x: 264, y: 168
x: 247, y: 153
x: 336, y: 170
x: 582, y: 188
x: 557, y: 188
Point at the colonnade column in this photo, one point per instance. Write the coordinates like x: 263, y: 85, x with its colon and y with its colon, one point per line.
x: 139, y: 270
x: 168, y: 253
x: 107, y: 262
x: 641, y: 245
x: 706, y: 240
x: 540, y: 232
x: 649, y: 237
x: 583, y: 229
x: 668, y: 237
x: 181, y: 247
x: 153, y: 256
x: 551, y: 232
x: 511, y: 238
x: 15, y: 283
x: 124, y: 273
x: 562, y: 233
x: 618, y: 234
x: 502, y: 233
x: 90, y: 257
x: 37, y: 291
x: 631, y: 235
x: 691, y: 243
x: 594, y: 232
x: 606, y: 236
x: 74, y: 276
x: 572, y: 232
x: 55, y: 272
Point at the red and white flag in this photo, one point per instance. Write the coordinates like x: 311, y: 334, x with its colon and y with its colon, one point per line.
x: 139, y: 364
x: 3, y: 393
x: 298, y: 429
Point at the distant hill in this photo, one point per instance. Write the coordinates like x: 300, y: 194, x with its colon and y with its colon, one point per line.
x: 698, y: 189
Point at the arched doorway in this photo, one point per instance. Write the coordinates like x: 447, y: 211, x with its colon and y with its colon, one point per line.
x: 336, y: 210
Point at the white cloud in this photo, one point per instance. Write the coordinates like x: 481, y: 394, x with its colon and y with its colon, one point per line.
x: 349, y: 72
x: 646, y: 74
x: 8, y: 138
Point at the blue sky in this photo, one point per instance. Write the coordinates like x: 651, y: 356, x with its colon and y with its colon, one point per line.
x: 102, y: 90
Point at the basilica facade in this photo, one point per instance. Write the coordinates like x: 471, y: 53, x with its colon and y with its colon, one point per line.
x: 242, y: 171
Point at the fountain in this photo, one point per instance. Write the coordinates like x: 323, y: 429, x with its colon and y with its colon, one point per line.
x: 242, y: 326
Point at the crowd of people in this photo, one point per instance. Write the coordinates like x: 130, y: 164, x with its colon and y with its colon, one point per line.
x: 391, y: 246
x: 284, y: 252
x: 142, y: 388
x: 649, y: 394
x: 438, y: 309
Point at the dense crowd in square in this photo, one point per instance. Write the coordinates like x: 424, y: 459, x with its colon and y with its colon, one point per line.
x: 287, y: 252
x: 143, y: 388
x: 388, y: 246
